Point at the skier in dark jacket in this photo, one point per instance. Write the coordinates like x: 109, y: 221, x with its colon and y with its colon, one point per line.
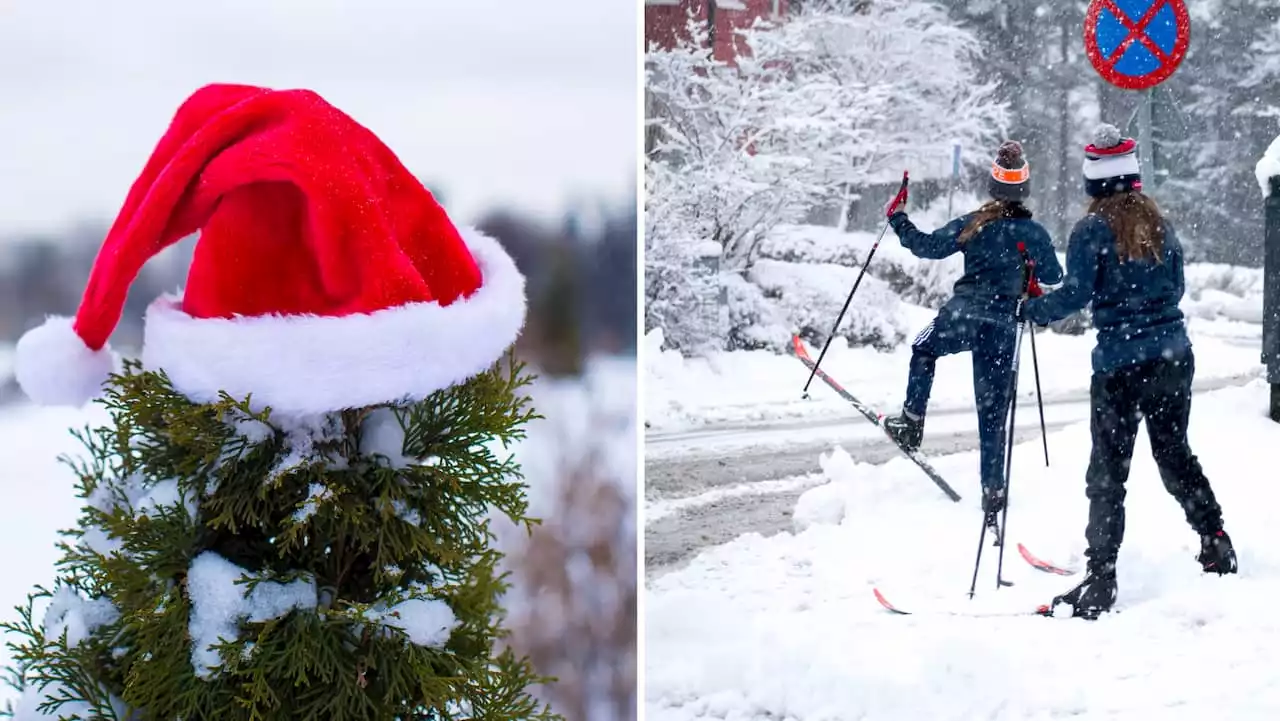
x: 1125, y: 259
x: 979, y: 318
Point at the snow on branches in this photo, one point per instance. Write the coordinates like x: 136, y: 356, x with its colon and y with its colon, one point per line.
x: 820, y: 107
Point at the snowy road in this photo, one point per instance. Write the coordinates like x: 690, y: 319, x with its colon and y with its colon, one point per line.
x: 709, y: 486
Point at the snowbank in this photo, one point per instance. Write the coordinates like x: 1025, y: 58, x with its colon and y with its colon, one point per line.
x: 786, y: 627
x: 759, y: 386
x: 1223, y: 292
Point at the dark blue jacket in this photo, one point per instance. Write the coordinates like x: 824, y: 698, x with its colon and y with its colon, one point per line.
x: 993, y: 266
x: 1135, y: 304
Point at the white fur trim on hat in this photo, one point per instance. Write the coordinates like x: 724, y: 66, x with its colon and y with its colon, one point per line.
x: 1111, y: 166
x: 54, y: 367
x: 301, y: 365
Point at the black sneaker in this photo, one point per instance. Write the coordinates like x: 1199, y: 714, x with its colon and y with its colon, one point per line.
x: 1217, y: 555
x: 1095, y: 595
x: 905, y: 431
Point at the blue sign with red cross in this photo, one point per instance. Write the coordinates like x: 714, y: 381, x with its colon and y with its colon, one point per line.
x: 1137, y: 44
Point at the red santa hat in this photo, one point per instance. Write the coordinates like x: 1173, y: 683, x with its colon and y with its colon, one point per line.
x: 325, y: 277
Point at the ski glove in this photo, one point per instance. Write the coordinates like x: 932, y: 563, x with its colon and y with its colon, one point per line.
x: 1029, y: 267
x: 1033, y: 288
x: 898, y: 204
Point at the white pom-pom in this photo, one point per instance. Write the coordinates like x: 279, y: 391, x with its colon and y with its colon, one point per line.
x: 55, y: 368
x: 1106, y: 136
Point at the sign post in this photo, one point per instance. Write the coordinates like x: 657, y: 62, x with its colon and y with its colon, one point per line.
x: 1146, y: 133
x: 1271, y: 296
x: 1136, y: 45
x: 955, y: 175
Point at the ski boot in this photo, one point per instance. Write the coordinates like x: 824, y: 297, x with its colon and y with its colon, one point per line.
x: 992, y: 500
x: 1217, y: 555
x: 906, y: 431
x: 992, y: 505
x: 1095, y: 595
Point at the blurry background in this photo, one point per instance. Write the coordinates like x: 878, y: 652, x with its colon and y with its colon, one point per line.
x: 521, y: 118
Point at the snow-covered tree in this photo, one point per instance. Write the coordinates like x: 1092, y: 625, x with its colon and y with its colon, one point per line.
x: 927, y: 71
x: 821, y: 106
x: 1221, y: 115
x: 1212, y: 119
x: 1034, y: 52
x: 742, y: 146
x: 232, y: 564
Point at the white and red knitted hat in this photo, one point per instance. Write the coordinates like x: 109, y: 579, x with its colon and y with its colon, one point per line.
x: 1111, y: 163
x: 325, y: 276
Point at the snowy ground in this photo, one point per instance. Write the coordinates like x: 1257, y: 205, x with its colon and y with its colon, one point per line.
x: 592, y: 419
x: 787, y: 628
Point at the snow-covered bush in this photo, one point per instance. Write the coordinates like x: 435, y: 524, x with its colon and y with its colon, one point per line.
x: 808, y: 298
x: 755, y: 321
x: 925, y: 283
x: 682, y: 288
x: 1223, y: 291
x: 1234, y: 280
x: 821, y: 105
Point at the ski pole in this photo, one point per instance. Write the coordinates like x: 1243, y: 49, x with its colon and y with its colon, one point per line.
x: 988, y: 518
x: 849, y: 300
x: 977, y: 562
x: 1028, y: 271
x: 1008, y: 458
x: 1035, y: 365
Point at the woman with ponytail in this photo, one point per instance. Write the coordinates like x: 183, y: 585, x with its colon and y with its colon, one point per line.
x: 1124, y: 258
x: 996, y: 241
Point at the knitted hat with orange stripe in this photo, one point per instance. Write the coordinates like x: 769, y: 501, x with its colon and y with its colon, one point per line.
x: 1010, y: 174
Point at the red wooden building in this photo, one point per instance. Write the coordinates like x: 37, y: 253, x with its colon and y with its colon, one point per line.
x: 665, y: 20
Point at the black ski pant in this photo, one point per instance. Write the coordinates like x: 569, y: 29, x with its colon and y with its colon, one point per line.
x: 1160, y: 392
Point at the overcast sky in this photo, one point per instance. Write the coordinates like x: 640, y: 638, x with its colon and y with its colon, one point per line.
x: 513, y: 102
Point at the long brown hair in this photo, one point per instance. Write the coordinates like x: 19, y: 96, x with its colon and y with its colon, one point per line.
x: 1136, y: 222
x: 993, y: 210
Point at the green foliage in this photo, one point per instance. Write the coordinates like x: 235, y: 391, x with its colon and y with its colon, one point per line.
x: 230, y: 564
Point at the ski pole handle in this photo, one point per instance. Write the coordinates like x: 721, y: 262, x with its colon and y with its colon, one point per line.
x: 1028, y: 269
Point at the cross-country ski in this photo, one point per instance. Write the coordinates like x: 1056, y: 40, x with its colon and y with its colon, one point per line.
x: 797, y: 347
x: 958, y: 610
